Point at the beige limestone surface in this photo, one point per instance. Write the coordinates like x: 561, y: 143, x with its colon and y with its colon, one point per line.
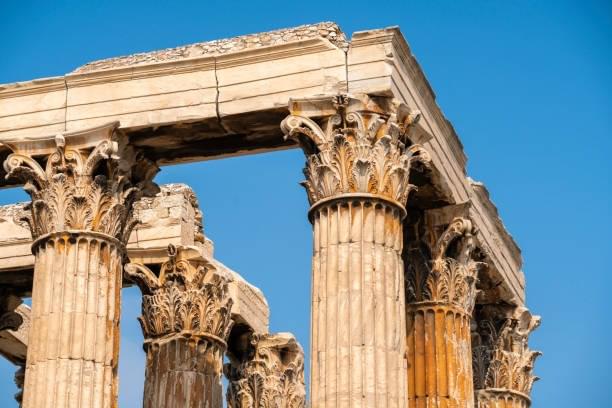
x: 186, y: 322
x: 364, y: 99
x: 227, y: 97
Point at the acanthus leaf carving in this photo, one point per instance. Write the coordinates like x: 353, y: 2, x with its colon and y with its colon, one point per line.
x: 188, y: 298
x: 357, y: 150
x: 452, y: 273
x: 269, y: 375
x: 502, y: 359
x: 90, y: 186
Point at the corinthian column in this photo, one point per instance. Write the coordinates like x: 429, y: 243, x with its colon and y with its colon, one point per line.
x: 82, y: 185
x: 441, y: 296
x: 357, y: 170
x: 503, y: 362
x: 267, y: 373
x: 186, y: 318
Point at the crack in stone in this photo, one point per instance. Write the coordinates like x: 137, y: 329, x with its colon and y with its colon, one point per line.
x: 217, y: 95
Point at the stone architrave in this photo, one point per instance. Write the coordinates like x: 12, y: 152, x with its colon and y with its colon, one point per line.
x: 269, y: 373
x: 440, y: 296
x: 82, y: 185
x: 358, y: 164
x: 186, y: 319
x: 502, y: 360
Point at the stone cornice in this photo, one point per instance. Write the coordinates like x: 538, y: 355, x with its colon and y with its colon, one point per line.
x: 482, y: 193
x: 154, y: 64
x: 129, y: 73
x: 36, y: 86
x: 328, y: 31
x: 193, y: 64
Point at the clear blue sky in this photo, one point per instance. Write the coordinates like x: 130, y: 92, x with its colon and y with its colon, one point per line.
x: 527, y: 85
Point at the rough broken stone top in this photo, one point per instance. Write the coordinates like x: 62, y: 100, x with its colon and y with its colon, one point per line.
x: 326, y: 30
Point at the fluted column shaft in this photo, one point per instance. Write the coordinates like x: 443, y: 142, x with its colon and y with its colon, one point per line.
x: 359, y: 159
x: 439, y: 356
x: 186, y: 319
x: 183, y: 372
x: 83, y: 185
x: 441, y: 291
x: 358, y: 354
x: 73, y: 348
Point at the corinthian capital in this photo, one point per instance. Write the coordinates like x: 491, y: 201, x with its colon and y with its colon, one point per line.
x: 187, y: 298
x: 502, y: 359
x: 269, y: 374
x: 355, y: 145
x: 453, y: 271
x: 85, y: 180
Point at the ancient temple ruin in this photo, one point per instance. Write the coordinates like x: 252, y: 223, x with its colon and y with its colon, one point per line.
x: 418, y: 298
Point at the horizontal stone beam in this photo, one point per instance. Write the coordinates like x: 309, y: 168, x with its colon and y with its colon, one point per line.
x: 200, y: 101
x: 171, y: 217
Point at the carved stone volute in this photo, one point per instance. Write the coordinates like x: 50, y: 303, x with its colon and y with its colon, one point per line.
x: 453, y: 272
x: 186, y: 320
x: 84, y: 181
x: 268, y: 374
x: 502, y: 359
x: 187, y: 298
x: 357, y: 146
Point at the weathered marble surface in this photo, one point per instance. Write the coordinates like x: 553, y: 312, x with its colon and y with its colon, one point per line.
x: 186, y: 322
x: 441, y: 293
x: 502, y: 360
x: 358, y: 166
x: 267, y: 372
x: 82, y: 185
x: 227, y: 97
